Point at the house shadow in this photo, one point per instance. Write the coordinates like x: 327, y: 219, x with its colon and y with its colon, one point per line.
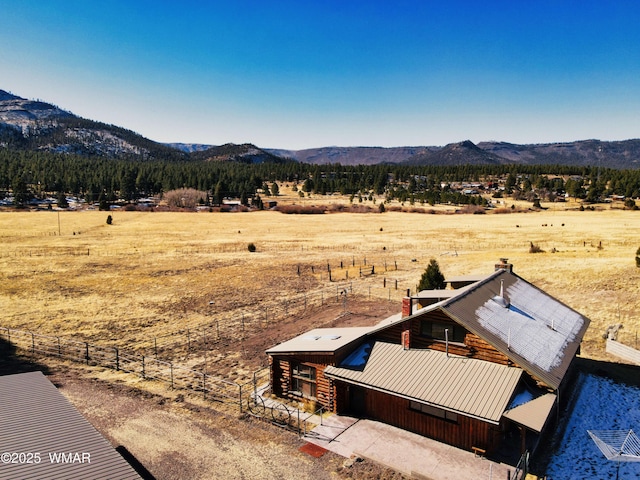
x: 11, y: 362
x: 619, y: 372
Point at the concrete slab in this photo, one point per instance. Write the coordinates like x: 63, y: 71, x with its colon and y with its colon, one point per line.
x: 406, y: 452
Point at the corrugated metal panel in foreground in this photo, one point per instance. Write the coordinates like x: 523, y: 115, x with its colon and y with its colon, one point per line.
x: 39, y: 424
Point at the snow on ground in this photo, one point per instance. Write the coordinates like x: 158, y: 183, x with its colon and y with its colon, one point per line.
x: 601, y: 404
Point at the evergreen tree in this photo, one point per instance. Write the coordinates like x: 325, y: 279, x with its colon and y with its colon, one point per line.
x: 20, y: 191
x: 432, y: 278
x: 62, y: 200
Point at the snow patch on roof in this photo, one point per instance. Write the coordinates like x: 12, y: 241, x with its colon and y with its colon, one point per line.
x: 533, y: 325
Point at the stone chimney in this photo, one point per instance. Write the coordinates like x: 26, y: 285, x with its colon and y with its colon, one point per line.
x: 504, y: 265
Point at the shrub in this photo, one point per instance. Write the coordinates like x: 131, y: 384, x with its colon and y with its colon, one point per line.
x: 109, y: 220
x: 301, y: 209
x: 251, y: 247
x: 184, y: 197
x: 533, y: 248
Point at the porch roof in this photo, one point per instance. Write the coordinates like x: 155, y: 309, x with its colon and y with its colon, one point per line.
x: 533, y: 414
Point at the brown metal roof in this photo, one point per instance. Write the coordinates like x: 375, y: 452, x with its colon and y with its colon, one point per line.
x: 37, y: 418
x: 533, y: 329
x: 533, y: 414
x: 466, y: 386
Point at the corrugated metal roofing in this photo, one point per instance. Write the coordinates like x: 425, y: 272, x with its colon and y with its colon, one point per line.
x: 321, y: 340
x: 533, y: 414
x: 436, y: 294
x: 471, y: 387
x: 37, y: 418
x: 536, y: 331
x: 466, y: 278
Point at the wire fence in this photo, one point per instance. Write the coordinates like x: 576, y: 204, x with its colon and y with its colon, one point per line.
x: 232, y: 326
x: 211, y: 387
x: 159, y: 357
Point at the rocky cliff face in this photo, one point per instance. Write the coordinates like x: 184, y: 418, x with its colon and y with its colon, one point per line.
x: 36, y: 125
x: 28, y: 116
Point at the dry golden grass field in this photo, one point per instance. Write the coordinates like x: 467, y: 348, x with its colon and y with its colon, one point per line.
x: 151, y: 274
x: 149, y: 277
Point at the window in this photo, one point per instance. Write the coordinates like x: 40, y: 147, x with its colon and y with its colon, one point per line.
x: 436, y: 330
x: 433, y: 411
x: 303, y: 380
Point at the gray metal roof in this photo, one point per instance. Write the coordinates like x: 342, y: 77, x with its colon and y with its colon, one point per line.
x: 466, y: 278
x: 321, y: 340
x: 533, y: 329
x: 436, y: 294
x: 459, y: 384
x: 37, y: 418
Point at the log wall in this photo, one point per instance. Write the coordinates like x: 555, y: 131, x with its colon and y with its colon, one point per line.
x: 281, y: 368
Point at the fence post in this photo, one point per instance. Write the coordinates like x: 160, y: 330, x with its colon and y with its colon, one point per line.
x: 86, y: 352
x: 33, y: 344
x: 155, y: 347
x: 143, y: 374
x: 59, y: 349
x: 171, y: 370
x: 240, y: 393
x: 117, y: 359
x: 204, y: 385
x: 188, y: 341
x: 243, y: 321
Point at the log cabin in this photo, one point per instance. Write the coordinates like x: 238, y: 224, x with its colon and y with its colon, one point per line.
x: 480, y: 367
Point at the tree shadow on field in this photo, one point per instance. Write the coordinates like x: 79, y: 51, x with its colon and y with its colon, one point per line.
x: 11, y: 362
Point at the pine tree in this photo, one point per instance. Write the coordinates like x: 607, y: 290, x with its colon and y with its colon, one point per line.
x: 432, y: 278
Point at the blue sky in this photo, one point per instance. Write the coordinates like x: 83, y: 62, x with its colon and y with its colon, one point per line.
x: 296, y: 74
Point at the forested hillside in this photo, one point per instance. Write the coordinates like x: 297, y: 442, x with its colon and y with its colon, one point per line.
x: 35, y: 174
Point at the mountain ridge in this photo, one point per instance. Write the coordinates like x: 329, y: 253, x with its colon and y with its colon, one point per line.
x: 37, y: 125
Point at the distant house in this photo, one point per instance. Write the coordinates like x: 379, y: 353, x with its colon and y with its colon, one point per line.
x: 469, y: 367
